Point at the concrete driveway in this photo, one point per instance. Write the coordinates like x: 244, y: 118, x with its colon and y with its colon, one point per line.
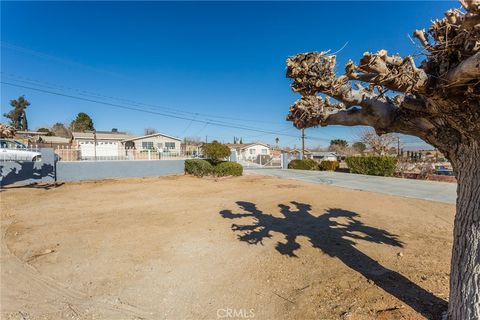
x: 419, y: 189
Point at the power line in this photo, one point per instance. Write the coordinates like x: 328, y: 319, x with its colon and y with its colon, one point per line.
x: 216, y: 123
x: 82, y: 92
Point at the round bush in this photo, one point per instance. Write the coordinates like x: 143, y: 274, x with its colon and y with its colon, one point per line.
x: 329, y: 165
x: 305, y: 164
x: 198, y: 167
x: 228, y: 168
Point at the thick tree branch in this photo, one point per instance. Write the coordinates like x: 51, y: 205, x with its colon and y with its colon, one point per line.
x: 465, y: 72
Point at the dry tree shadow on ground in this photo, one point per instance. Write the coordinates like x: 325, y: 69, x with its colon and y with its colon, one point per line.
x: 330, y: 234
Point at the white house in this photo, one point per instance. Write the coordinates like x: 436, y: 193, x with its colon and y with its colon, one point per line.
x: 324, y: 155
x: 250, y: 151
x: 158, y: 142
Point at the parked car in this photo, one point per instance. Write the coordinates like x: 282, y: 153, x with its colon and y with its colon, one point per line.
x: 14, y: 150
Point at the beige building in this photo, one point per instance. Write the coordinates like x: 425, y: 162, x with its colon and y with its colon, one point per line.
x: 158, y: 142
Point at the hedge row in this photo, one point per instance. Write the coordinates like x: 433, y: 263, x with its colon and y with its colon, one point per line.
x: 200, y: 168
x: 328, y: 165
x: 309, y: 164
x: 375, y: 166
x: 304, y: 164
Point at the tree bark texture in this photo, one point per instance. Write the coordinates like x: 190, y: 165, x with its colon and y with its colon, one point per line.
x: 464, y: 300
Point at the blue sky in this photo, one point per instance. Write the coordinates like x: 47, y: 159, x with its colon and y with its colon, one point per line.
x: 193, y: 60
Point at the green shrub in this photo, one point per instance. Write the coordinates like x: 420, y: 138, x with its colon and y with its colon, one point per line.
x: 375, y: 166
x: 329, y: 165
x: 198, y: 167
x: 228, y: 168
x: 216, y: 151
x: 305, y: 164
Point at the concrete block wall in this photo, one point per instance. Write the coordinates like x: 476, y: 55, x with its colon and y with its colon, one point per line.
x: 96, y: 170
x: 28, y: 172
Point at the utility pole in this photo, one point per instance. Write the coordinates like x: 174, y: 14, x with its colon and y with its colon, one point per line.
x: 303, y: 143
x: 398, y: 147
x: 206, y: 139
x: 95, y: 144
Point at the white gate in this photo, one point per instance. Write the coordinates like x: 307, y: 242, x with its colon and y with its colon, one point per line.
x: 261, y: 161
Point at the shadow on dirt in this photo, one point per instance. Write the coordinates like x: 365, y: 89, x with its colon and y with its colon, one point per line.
x: 334, y: 233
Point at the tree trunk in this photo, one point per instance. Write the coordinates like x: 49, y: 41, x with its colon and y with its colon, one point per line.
x: 464, y: 301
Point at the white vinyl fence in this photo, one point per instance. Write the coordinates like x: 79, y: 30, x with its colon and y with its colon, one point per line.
x: 107, y: 152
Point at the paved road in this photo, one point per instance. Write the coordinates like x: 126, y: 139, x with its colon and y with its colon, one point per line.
x: 420, y: 189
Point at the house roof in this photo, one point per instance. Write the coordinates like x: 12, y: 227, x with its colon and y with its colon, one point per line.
x: 31, y: 133
x: 246, y: 145
x: 324, y: 153
x: 152, y: 135
x: 297, y: 151
x: 100, y: 135
x: 54, y: 139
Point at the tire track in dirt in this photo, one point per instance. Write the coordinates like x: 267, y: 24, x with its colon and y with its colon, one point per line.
x: 53, y: 293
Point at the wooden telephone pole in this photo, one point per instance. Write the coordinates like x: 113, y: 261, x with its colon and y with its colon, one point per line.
x: 303, y: 143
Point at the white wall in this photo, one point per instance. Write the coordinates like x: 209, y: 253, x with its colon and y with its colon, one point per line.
x: 252, y: 152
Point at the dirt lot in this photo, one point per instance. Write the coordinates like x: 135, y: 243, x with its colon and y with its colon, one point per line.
x: 248, y: 247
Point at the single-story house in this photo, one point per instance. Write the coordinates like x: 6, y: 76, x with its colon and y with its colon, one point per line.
x: 158, y: 142
x: 113, y: 143
x: 325, y: 155
x: 250, y: 151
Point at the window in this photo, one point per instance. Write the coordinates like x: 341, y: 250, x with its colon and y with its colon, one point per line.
x: 252, y: 151
x: 264, y: 151
x: 170, y: 145
x: 19, y: 145
x: 147, y: 145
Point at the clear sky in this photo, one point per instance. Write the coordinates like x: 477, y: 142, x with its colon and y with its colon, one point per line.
x: 206, y: 61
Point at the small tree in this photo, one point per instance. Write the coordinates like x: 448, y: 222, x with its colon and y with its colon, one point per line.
x: 338, y: 145
x: 82, y: 122
x: 359, y: 147
x: 60, y: 130
x: 18, y: 116
x: 216, y: 151
x: 46, y: 130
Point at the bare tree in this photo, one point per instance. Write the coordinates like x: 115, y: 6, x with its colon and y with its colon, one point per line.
x: 148, y: 131
x: 379, y: 144
x: 438, y: 101
x: 60, y: 130
x: 7, y: 131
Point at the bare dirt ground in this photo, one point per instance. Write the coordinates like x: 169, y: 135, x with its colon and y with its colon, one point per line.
x: 249, y: 247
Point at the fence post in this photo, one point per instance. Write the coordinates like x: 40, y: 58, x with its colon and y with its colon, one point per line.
x: 149, y: 154
x: 284, y: 160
